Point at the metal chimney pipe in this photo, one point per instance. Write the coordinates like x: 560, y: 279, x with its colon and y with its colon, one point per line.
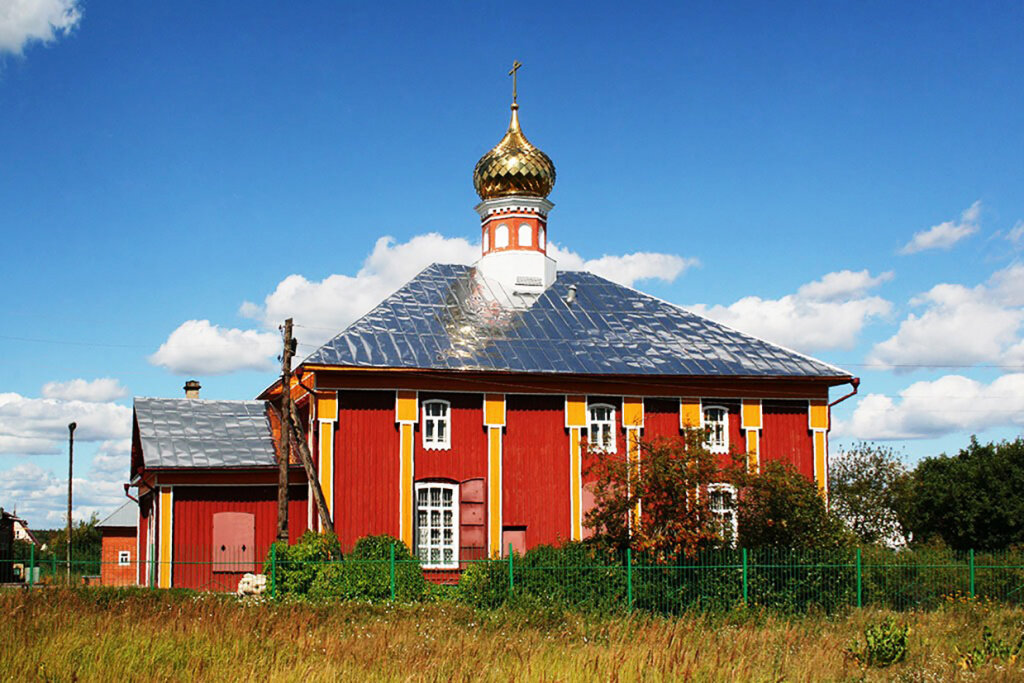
x: 192, y: 388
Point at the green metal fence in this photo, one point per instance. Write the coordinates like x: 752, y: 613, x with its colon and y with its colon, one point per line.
x: 585, y: 579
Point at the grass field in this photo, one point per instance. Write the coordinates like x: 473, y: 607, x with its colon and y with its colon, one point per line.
x: 97, y: 634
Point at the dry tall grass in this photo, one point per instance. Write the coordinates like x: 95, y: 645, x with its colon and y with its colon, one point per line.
x: 53, y: 634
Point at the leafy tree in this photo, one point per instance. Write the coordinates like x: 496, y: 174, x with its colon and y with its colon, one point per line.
x: 869, y: 490
x: 971, y: 499
x: 676, y: 519
x: 86, y: 541
x: 779, y: 507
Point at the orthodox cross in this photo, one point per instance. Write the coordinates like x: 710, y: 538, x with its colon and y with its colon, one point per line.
x: 515, y: 67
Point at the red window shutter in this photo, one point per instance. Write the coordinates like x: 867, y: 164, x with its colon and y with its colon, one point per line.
x: 233, y: 536
x: 472, y: 520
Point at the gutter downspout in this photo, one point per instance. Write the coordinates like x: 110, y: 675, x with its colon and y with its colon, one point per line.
x: 855, y: 383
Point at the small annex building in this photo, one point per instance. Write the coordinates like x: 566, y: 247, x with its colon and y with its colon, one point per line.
x: 206, y: 473
x: 119, y: 546
x: 457, y: 415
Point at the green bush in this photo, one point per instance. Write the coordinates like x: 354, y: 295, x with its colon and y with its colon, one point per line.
x: 365, y: 574
x: 484, y: 584
x: 884, y: 644
x: 299, y: 565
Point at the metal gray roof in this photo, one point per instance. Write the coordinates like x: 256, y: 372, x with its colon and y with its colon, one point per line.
x: 440, y: 321
x: 192, y: 432
x: 125, y: 516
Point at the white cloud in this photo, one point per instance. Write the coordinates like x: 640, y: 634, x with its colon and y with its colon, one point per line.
x: 1015, y: 236
x: 826, y: 314
x: 946, y: 234
x: 842, y: 285
x: 97, y: 390
x: 198, y: 347
x: 626, y: 269
x: 960, y: 325
x: 24, y: 21
x: 324, y: 308
x: 933, y: 408
x: 40, y: 425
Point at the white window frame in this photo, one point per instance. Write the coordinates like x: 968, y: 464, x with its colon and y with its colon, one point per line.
x: 434, y: 443
x: 600, y: 445
x: 540, y: 237
x: 124, y: 558
x: 525, y: 237
x: 713, y: 445
x: 720, y: 513
x: 428, y: 511
x: 501, y: 236
x: 487, y: 240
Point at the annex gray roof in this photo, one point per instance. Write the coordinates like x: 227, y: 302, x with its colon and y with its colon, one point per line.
x: 125, y: 516
x: 192, y: 432
x: 440, y: 320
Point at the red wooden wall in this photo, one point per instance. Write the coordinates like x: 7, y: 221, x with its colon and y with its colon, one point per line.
x: 467, y: 458
x: 787, y: 436
x: 535, y: 487
x: 145, y: 510
x: 366, y: 466
x: 194, y: 508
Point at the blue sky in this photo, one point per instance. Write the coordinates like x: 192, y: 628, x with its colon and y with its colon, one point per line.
x: 177, y: 177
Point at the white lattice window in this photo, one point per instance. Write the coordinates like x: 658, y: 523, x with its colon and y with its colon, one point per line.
x: 437, y: 525
x: 716, y: 429
x: 722, y: 501
x: 124, y: 558
x: 501, y: 237
x: 601, y: 428
x: 436, y: 427
x: 525, y: 235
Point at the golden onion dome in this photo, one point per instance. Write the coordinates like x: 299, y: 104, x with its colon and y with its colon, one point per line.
x: 514, y: 167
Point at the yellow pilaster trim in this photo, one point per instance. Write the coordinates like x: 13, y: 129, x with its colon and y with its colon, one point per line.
x: 494, y: 420
x: 494, y: 497
x: 817, y: 415
x: 166, y: 568
x: 405, y: 483
x: 575, y: 484
x: 406, y: 415
x: 752, y: 421
x: 689, y: 413
x: 326, y: 462
x: 406, y: 407
x: 632, y: 411
x: 575, y: 411
x: 494, y: 410
x: 821, y: 460
x: 633, y: 453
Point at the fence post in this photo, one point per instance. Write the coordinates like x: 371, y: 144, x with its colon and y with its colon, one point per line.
x: 273, y: 570
x: 860, y: 598
x: 31, y: 563
x: 970, y: 558
x: 53, y: 567
x: 391, y: 570
x: 745, y: 578
x: 629, y: 579
x: 152, y: 566
x: 511, y: 579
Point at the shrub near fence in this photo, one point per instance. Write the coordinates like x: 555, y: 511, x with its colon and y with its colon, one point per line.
x: 581, y: 576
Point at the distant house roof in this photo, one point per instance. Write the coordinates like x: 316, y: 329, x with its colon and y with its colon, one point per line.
x: 125, y: 516
x: 191, y: 432
x: 441, y: 321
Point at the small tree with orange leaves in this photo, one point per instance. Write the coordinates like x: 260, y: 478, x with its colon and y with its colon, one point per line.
x: 657, y: 505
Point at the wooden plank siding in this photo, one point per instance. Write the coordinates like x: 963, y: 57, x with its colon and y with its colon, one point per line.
x: 194, y: 508
x: 536, y: 468
x: 366, y: 466
x: 786, y: 435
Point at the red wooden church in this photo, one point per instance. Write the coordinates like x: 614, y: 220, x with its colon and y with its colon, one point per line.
x: 456, y: 414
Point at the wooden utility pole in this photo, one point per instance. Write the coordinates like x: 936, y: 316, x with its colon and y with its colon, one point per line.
x: 71, y: 470
x: 307, y: 462
x: 284, y: 444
